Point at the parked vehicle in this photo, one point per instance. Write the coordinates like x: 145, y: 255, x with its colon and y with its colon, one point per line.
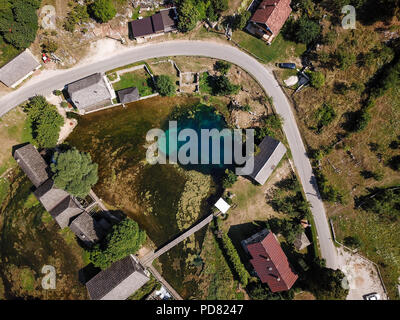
x: 372, y: 296
x: 287, y: 65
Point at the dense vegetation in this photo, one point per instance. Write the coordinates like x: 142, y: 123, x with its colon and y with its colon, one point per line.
x: 190, y: 12
x: 102, y: 10
x: 19, y: 22
x: 124, y: 239
x: 45, y: 122
x: 383, y: 201
x: 74, y: 172
x: 165, y: 85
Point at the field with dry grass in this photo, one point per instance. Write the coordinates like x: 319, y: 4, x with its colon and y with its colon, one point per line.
x: 355, y: 154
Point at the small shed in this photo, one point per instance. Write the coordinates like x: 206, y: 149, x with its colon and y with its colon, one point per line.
x: 222, y: 205
x: 128, y: 95
x: 301, y: 241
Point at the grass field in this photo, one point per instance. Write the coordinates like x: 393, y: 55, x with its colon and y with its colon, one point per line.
x: 139, y: 79
x: 280, y: 49
x: 344, y: 164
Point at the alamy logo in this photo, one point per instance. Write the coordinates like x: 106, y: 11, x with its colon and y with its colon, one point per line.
x: 49, y: 280
x: 186, y: 147
x: 48, y: 17
x: 349, y: 20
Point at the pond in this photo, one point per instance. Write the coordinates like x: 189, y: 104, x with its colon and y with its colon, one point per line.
x: 163, y: 199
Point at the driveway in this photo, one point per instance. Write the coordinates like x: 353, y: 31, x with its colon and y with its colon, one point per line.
x: 45, y: 84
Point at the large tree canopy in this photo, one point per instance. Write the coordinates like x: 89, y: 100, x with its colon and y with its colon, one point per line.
x: 74, y: 172
x: 45, y: 122
x: 102, y: 10
x: 19, y: 22
x: 165, y: 86
x: 124, y: 239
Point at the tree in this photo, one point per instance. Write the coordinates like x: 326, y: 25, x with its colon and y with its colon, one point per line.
x: 102, y: 10
x: 188, y: 16
x: 45, y: 122
x: 222, y: 66
x: 383, y: 201
x: 223, y: 87
x: 124, y: 239
x: 307, y: 30
x: 74, y: 172
x: 240, y: 20
x: 229, y: 179
x: 165, y: 86
x: 352, y: 242
x: 324, y: 115
x: 49, y: 46
x: 19, y: 22
x: 317, y: 79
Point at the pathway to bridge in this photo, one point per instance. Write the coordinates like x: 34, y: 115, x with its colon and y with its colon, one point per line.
x: 148, y: 259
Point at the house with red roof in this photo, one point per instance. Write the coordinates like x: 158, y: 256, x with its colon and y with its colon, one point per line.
x: 269, y: 19
x: 269, y: 261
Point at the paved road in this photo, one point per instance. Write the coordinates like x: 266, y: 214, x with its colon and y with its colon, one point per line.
x: 214, y: 50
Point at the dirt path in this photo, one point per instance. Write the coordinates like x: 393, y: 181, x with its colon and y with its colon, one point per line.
x: 361, y: 274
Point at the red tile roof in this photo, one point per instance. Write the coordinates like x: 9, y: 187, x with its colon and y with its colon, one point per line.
x: 271, y: 264
x: 273, y: 13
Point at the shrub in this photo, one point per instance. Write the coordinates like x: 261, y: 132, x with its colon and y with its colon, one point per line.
x: 222, y: 66
x: 49, y: 46
x: 124, y: 239
x: 165, y: 86
x: 223, y: 87
x: 317, y: 79
x: 102, y: 10
x: 229, y: 179
x: 234, y: 259
x: 324, y: 115
x: 352, y: 242
x: 345, y: 59
x: 307, y: 30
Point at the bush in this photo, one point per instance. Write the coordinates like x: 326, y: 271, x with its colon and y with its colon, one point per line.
x: 165, y: 86
x: 345, y: 59
x: 124, y: 239
x: 222, y: 66
x: 49, y: 46
x: 102, y: 10
x: 45, y: 122
x: 324, y: 115
x: 328, y: 192
x: 234, y: 259
x: 229, y: 179
x: 352, y: 242
x: 317, y: 79
x: 306, y: 30
x: 74, y: 172
x: 240, y: 20
x: 223, y: 87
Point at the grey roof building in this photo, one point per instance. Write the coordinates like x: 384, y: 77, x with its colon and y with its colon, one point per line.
x: 90, y: 93
x: 32, y: 163
x: 128, y: 95
x: 87, y: 229
x: 18, y: 69
x: 118, y: 282
x: 58, y: 203
x: 65, y: 212
x: 265, y: 161
x: 301, y: 241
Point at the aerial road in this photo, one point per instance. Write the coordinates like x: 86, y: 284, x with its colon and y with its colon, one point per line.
x: 45, y: 85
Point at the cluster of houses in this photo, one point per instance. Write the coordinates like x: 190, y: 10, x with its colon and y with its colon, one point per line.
x: 123, y: 277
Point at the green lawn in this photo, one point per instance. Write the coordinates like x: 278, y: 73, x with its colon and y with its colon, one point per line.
x: 4, y: 187
x: 139, y: 79
x: 280, y: 49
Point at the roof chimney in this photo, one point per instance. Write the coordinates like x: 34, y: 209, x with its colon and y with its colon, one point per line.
x: 278, y: 279
x: 270, y: 269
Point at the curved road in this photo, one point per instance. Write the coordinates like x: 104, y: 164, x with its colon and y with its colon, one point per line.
x: 44, y: 86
